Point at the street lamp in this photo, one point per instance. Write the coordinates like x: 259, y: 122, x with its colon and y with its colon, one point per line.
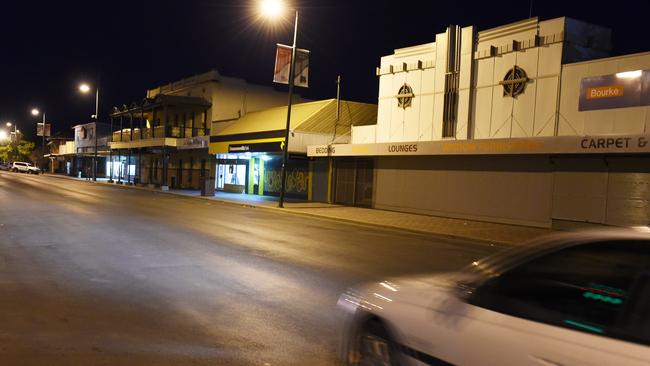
x: 36, y: 112
x: 15, y: 133
x: 85, y: 88
x: 273, y: 9
x: 14, y: 141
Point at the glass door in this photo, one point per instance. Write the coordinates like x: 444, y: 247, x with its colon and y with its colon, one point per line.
x: 221, y: 175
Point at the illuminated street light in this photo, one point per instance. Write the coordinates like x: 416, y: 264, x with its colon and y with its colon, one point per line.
x: 273, y: 9
x: 4, y: 135
x: 85, y: 88
x: 36, y: 112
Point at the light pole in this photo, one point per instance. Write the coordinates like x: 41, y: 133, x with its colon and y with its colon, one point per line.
x: 85, y: 88
x: 273, y: 8
x: 36, y: 112
x: 14, y: 142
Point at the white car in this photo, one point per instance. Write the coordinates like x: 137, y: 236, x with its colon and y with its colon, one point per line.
x: 22, y: 167
x: 567, y: 299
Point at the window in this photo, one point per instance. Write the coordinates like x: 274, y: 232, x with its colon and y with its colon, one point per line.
x: 592, y: 288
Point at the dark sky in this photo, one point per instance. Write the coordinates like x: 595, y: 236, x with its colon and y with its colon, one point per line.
x: 48, y: 47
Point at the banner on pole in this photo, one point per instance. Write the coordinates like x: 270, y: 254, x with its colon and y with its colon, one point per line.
x: 283, y: 64
x: 39, y: 129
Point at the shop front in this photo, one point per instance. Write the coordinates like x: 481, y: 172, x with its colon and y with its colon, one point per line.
x: 249, y: 151
x: 256, y: 169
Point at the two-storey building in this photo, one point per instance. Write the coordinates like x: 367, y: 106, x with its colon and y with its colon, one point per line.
x: 528, y: 123
x: 163, y: 140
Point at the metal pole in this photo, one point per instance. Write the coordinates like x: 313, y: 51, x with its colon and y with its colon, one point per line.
x: 14, y: 149
x: 338, y: 97
x: 96, y: 133
x: 110, y: 152
x: 285, y: 152
x: 43, y: 140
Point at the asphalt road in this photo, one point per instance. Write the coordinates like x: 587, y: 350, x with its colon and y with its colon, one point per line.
x: 98, y: 275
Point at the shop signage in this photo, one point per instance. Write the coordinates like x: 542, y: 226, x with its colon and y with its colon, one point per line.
x: 534, y: 145
x: 196, y: 142
x: 624, y: 89
x: 259, y: 147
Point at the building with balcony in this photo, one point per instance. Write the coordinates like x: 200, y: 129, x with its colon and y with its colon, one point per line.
x: 163, y: 139
x: 56, y: 152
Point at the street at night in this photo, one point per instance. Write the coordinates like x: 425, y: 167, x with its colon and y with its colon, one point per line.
x: 98, y: 275
x: 304, y: 182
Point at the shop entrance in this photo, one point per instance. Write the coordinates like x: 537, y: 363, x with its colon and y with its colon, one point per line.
x: 256, y: 175
x: 354, y: 182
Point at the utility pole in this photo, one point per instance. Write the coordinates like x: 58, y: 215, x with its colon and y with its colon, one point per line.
x: 96, y: 132
x: 43, y: 161
x: 285, y: 155
x: 338, y: 97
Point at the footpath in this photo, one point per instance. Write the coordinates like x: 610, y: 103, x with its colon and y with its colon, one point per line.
x: 489, y: 232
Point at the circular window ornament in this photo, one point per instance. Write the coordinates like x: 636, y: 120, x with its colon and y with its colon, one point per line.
x: 514, y: 82
x: 405, y: 96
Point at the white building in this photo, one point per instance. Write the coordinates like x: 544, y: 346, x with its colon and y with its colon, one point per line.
x: 527, y: 123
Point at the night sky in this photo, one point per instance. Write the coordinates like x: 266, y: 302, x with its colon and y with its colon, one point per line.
x: 48, y: 48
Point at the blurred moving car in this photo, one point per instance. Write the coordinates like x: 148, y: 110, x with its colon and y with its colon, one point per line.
x: 4, y: 166
x: 566, y: 299
x: 22, y: 167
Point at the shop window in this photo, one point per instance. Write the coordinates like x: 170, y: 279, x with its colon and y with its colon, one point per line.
x: 235, y: 174
x: 591, y: 288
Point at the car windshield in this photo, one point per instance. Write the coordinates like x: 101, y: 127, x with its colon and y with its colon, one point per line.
x: 481, y: 270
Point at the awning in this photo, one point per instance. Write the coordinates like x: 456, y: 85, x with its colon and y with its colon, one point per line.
x: 266, y: 128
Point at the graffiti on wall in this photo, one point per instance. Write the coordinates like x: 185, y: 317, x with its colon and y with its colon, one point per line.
x: 297, y: 183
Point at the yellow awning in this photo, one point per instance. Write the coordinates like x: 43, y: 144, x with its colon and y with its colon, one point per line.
x: 317, y: 117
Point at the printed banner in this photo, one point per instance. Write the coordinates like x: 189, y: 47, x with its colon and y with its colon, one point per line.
x: 620, y: 90
x: 39, y: 129
x: 283, y: 63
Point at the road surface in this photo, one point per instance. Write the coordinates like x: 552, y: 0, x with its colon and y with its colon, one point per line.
x: 98, y: 275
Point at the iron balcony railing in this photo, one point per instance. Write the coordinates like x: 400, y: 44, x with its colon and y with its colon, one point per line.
x: 126, y: 135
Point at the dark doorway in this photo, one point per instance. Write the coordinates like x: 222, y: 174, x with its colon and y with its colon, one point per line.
x: 354, y: 182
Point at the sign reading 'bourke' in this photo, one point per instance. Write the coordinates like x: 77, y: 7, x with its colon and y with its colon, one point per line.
x: 624, y: 89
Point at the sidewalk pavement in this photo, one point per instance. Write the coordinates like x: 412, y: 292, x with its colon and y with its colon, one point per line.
x: 433, y: 225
